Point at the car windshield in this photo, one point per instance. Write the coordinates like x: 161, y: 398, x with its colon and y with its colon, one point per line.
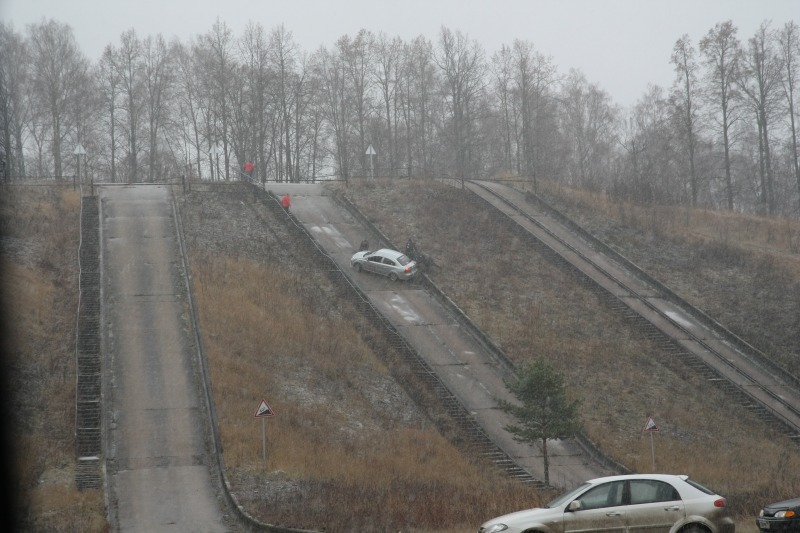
x: 567, y: 496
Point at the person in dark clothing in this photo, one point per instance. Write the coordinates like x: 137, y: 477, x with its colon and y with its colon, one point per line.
x: 364, y: 246
x: 411, y: 249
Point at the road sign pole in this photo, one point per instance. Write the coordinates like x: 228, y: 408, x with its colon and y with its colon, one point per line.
x: 263, y: 411
x: 264, y: 440
x: 651, y: 427
x: 653, y: 451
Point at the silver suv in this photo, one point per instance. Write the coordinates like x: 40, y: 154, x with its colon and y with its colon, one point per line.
x: 657, y: 503
x: 391, y: 263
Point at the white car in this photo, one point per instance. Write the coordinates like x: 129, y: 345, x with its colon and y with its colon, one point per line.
x: 657, y: 503
x: 391, y: 263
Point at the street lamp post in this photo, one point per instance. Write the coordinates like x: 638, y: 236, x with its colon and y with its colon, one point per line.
x: 370, y: 153
x: 79, y: 151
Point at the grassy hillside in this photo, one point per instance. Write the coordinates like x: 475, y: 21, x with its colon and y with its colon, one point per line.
x: 533, y: 309
x: 351, y: 449
x: 40, y: 235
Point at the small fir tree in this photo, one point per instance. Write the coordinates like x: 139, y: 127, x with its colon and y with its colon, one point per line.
x: 545, y: 411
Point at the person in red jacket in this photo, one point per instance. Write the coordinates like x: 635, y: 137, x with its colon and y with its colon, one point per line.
x: 286, y: 202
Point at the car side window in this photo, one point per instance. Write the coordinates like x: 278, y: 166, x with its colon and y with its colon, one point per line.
x: 651, y: 491
x: 375, y: 259
x: 387, y: 261
x: 605, y: 495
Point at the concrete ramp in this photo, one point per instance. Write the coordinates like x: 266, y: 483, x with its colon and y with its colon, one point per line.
x: 155, y: 447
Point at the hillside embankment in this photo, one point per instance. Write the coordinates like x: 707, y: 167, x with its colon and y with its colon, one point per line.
x: 350, y: 448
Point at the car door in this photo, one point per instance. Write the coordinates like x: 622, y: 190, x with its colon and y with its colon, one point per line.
x: 374, y: 264
x: 654, y: 507
x: 600, y: 509
x: 389, y: 266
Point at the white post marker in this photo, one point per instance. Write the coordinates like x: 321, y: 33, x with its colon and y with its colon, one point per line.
x: 263, y: 412
x: 79, y: 151
x: 651, y: 427
x: 370, y: 153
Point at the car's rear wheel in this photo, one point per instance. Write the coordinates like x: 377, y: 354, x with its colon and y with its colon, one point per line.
x: 393, y: 276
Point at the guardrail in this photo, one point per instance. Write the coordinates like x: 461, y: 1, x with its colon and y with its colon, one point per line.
x: 88, y: 408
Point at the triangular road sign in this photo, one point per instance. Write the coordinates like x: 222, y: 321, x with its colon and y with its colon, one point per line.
x: 264, y: 410
x: 650, y: 425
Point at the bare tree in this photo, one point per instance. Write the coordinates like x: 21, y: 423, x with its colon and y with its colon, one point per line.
x: 301, y: 100
x: 188, y: 94
x: 789, y: 40
x: 250, y: 136
x: 315, y: 120
x: 58, y: 67
x: 109, y: 81
x: 130, y: 73
x: 418, y: 85
x: 502, y: 68
x: 720, y: 49
x: 283, y: 58
x: 331, y: 72
x: 462, y: 65
x: 219, y: 72
x: 589, y: 121
x: 387, y: 77
x: 158, y: 72
x: 535, y: 77
x: 14, y: 113
x: 685, y: 98
x: 357, y: 57
x: 647, y: 139
x: 758, y: 79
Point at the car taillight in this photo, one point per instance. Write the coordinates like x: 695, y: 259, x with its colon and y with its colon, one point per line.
x: 408, y: 269
x: 720, y: 503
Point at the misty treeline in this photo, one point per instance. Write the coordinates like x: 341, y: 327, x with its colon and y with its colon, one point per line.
x: 724, y: 135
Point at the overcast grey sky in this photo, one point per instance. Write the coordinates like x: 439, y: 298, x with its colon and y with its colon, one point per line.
x: 622, y: 45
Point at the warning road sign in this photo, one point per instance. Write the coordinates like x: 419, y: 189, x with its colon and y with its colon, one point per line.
x: 650, y: 425
x: 264, y: 410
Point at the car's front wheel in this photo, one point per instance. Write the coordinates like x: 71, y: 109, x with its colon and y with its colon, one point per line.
x: 357, y: 267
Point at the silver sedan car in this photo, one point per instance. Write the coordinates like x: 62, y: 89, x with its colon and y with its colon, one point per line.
x: 656, y: 503
x: 390, y: 263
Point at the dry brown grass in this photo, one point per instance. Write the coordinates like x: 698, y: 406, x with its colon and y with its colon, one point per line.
x: 533, y: 309
x: 779, y: 236
x: 348, y: 449
x: 740, y: 269
x: 39, y: 305
x: 347, y: 440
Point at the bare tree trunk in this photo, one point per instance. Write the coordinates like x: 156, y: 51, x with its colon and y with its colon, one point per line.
x: 721, y: 49
x: 546, y: 458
